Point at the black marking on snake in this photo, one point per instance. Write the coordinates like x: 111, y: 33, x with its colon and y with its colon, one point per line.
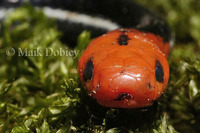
x: 88, y: 71
x: 123, y: 96
x: 159, y: 74
x: 123, y: 39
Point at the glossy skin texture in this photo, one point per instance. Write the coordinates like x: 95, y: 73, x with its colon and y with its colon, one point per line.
x: 125, y: 68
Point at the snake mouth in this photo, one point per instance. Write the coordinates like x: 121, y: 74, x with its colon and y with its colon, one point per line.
x: 123, y: 96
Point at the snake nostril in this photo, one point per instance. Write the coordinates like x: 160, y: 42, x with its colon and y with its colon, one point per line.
x: 123, y: 96
x: 150, y: 86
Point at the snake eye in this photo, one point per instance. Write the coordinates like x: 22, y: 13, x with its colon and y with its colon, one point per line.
x: 88, y: 71
x: 159, y: 72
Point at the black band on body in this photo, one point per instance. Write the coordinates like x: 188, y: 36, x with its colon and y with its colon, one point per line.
x: 125, y: 13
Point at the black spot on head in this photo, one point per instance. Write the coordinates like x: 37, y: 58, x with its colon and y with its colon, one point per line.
x: 123, y: 96
x: 123, y: 39
x: 159, y: 72
x: 88, y: 71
